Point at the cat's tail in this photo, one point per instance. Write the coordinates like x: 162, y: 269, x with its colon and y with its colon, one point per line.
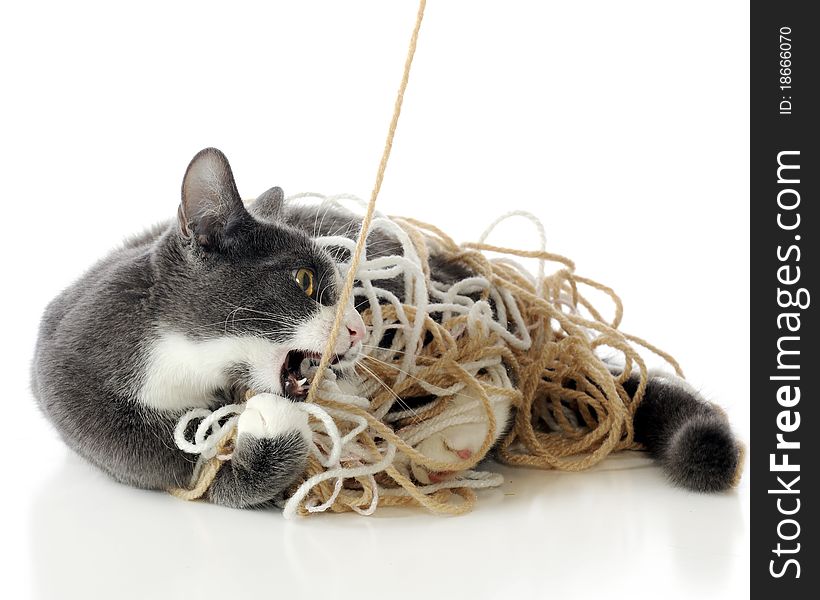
x: 689, y: 436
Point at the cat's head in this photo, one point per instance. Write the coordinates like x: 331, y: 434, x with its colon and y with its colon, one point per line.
x: 254, y: 287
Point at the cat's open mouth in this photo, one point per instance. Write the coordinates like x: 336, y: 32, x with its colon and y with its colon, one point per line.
x: 294, y: 378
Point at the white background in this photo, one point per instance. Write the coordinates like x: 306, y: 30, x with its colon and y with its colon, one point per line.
x: 623, y: 125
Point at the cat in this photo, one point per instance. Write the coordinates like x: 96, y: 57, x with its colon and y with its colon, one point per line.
x: 227, y: 298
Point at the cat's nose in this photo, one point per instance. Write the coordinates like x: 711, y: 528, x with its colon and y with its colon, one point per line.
x: 355, y: 327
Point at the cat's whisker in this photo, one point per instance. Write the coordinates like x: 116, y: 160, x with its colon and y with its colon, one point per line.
x: 347, y: 227
x: 231, y: 318
x: 231, y: 315
x: 290, y: 324
x: 399, y: 400
x: 317, y: 227
x: 261, y: 312
x: 280, y: 318
x: 380, y: 244
x: 413, y: 377
x: 276, y: 337
x: 315, y: 221
x: 324, y: 214
x: 392, y: 366
x: 265, y: 319
x: 383, y: 349
x: 206, y: 325
x: 321, y: 288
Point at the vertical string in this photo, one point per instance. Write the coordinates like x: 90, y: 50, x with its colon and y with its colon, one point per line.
x: 356, y: 258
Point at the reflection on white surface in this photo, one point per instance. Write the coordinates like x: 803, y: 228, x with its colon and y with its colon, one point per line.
x: 617, y: 529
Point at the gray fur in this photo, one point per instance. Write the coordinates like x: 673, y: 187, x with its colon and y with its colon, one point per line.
x: 690, y: 437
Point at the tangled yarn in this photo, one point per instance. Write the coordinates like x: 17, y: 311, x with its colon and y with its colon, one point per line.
x: 502, y: 334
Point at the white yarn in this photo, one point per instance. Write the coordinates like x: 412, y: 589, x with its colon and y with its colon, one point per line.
x: 542, y: 240
x: 208, y: 433
x: 344, y: 457
x: 204, y: 443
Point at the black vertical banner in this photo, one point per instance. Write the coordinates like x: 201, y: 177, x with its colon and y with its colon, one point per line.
x: 785, y: 226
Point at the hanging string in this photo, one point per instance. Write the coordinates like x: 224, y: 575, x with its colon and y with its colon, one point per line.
x: 347, y: 289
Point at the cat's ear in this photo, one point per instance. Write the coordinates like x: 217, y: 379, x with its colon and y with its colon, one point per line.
x: 211, y: 206
x: 268, y: 206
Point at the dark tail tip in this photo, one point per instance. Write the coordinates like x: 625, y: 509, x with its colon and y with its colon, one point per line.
x: 703, y: 454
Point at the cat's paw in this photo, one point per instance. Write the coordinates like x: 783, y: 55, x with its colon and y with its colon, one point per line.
x: 453, y: 444
x: 458, y: 443
x: 271, y: 416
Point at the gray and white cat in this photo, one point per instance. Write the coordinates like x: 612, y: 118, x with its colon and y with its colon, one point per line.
x: 228, y: 298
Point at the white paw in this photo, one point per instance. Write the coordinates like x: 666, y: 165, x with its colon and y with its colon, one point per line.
x: 269, y: 415
x: 460, y: 442
x: 452, y: 445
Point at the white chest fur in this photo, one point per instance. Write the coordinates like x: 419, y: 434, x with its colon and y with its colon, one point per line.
x: 182, y: 373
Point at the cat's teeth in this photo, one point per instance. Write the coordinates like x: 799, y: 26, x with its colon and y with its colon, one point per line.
x: 302, y: 381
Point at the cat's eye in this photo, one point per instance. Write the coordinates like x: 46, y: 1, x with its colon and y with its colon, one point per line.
x: 304, y: 279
